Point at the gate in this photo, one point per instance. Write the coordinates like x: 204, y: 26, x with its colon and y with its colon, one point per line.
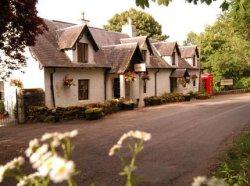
x: 9, y: 116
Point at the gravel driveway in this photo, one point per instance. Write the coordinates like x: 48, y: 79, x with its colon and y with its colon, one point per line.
x: 186, y: 140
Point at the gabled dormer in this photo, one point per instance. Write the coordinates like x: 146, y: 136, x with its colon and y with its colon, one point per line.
x: 78, y: 44
x: 169, y: 51
x: 144, y: 45
x: 190, y: 54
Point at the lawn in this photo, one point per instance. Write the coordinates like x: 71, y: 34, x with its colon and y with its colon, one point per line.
x: 236, y: 167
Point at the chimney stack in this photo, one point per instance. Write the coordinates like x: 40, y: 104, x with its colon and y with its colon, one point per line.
x: 129, y: 29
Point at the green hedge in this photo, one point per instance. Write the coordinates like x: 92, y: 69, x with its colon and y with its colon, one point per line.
x: 93, y: 113
x: 165, y: 98
x: 44, y: 114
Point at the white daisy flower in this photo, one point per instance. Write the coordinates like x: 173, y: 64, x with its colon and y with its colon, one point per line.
x: 38, y: 153
x: 198, y: 181
x: 2, y: 172
x: 114, y: 149
x: 62, y: 170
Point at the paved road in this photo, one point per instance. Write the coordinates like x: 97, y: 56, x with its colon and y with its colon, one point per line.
x: 186, y: 138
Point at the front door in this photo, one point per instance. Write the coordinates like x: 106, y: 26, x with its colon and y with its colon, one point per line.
x: 116, y: 88
x: 173, y: 84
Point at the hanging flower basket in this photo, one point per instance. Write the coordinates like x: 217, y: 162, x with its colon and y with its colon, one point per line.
x: 68, y: 82
x: 182, y: 81
x: 130, y: 76
x: 16, y: 83
x: 145, y: 76
x: 193, y: 77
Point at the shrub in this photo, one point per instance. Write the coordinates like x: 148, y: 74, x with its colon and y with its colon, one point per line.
x: 187, y: 97
x: 164, y: 98
x: 243, y: 83
x: 51, y: 119
x: 2, y: 108
x: 93, y: 113
x: 202, y: 95
x: 128, y: 105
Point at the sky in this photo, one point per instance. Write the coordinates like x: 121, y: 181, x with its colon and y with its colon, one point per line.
x: 177, y: 20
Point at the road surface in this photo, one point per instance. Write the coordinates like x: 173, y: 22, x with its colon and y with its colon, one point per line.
x: 187, y: 138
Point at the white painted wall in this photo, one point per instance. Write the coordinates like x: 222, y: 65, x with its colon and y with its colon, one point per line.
x: 163, y: 84
x: 190, y: 61
x: 68, y: 96
x: 168, y: 59
x: 189, y: 86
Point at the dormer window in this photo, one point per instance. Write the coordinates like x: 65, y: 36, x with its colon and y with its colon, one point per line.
x: 173, y: 58
x: 82, y: 52
x: 194, y: 62
x: 144, y: 55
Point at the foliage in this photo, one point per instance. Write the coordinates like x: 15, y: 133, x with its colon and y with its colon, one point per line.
x: 128, y: 105
x: 145, y: 24
x: 93, y: 113
x: 164, y: 98
x: 44, y: 114
x: 16, y: 83
x: 202, y: 95
x: 236, y: 168
x: 49, y: 156
x: 224, y: 6
x: 2, y: 108
x: 145, y: 76
x: 192, y: 94
x: 68, y: 82
x: 19, y: 28
x: 225, y: 46
x: 130, y: 76
x: 129, y: 164
x: 243, y: 83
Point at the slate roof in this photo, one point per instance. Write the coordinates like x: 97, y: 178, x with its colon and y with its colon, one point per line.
x: 104, y: 38
x: 179, y: 73
x: 188, y: 51
x: 48, y: 53
x: 166, y: 48
x: 114, y: 50
x: 119, y: 56
x: 182, y: 63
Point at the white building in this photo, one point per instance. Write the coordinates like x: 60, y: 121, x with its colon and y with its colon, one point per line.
x: 96, y: 63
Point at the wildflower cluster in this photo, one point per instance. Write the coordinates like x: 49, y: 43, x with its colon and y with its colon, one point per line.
x: 129, y: 168
x: 49, y: 157
x: 204, y: 181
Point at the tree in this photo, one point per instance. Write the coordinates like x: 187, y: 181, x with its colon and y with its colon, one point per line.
x: 225, y: 51
x: 19, y: 27
x: 145, y: 24
x: 225, y: 5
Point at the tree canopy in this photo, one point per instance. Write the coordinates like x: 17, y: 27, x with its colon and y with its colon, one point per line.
x: 19, y: 27
x: 225, y: 4
x: 225, y: 46
x: 145, y: 24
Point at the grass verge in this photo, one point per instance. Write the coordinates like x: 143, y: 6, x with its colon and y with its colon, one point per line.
x: 235, y: 170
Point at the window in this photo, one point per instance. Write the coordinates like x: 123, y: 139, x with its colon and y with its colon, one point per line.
x: 1, y: 90
x: 144, y: 86
x: 173, y: 58
x: 82, y: 52
x: 194, y: 82
x: 194, y: 62
x: 144, y: 55
x: 83, y: 89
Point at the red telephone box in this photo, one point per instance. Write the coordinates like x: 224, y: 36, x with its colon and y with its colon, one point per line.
x: 207, y: 82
